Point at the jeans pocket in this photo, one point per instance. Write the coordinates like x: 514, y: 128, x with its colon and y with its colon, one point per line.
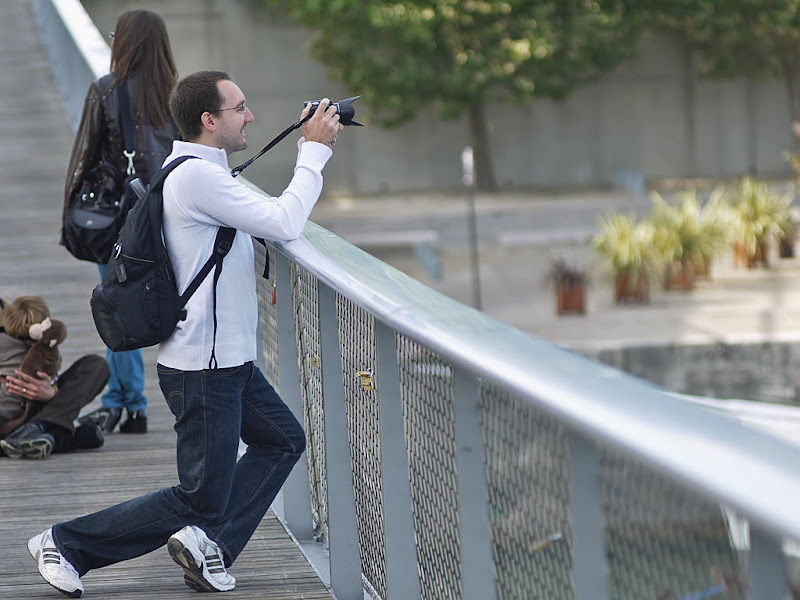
x: 171, y: 382
x: 175, y: 403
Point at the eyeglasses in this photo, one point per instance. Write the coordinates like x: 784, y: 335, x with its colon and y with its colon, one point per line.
x: 241, y: 109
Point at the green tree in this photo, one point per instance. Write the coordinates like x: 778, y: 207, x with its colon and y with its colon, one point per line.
x: 458, y: 56
x: 750, y: 38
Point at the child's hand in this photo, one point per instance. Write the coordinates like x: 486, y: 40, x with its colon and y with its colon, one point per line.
x: 38, y: 389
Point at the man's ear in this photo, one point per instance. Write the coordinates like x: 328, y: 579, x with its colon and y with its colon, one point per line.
x: 209, y: 121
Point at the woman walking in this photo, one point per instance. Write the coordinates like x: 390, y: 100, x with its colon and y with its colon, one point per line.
x: 143, y: 71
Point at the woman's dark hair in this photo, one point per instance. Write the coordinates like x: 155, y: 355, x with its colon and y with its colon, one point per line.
x: 141, y: 45
x: 193, y: 95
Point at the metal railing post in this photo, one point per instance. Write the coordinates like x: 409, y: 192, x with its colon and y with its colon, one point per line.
x: 345, y: 554
x: 402, y: 572
x: 477, y: 563
x: 590, y: 570
x: 294, y: 503
x: 767, y: 567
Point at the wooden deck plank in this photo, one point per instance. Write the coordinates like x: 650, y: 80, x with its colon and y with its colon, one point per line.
x: 35, y: 141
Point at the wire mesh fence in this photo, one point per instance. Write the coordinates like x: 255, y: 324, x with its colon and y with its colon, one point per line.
x: 661, y: 539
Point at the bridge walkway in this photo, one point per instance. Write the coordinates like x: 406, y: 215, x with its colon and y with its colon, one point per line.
x: 35, y: 142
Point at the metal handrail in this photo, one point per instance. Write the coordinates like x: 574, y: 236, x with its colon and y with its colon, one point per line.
x: 748, y: 469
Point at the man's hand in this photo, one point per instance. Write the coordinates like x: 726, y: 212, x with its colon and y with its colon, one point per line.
x: 26, y: 386
x: 324, y: 126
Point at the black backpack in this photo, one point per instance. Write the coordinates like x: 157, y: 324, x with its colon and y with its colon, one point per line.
x: 137, y: 304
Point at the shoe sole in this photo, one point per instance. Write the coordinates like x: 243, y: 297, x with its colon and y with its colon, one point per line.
x: 34, y: 449
x: 137, y: 429
x: 192, y: 574
x: 9, y: 450
x: 106, y: 423
x: 32, y: 547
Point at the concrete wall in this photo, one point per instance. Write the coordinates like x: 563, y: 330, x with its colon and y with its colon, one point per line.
x: 758, y: 371
x: 652, y: 116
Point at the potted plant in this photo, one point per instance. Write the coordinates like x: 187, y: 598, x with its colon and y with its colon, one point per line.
x: 570, y: 287
x: 761, y: 218
x: 627, y: 246
x: 688, y: 236
x: 789, y: 239
x: 717, y: 223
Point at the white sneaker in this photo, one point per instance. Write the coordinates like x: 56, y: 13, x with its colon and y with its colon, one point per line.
x: 201, y: 559
x: 53, y: 567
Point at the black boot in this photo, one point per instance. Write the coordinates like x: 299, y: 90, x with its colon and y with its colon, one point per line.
x: 105, y: 418
x: 88, y: 436
x: 62, y: 436
x: 135, y: 423
x: 28, y: 441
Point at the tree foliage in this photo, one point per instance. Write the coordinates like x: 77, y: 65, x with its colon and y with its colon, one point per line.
x: 735, y: 38
x: 739, y: 37
x: 457, y: 56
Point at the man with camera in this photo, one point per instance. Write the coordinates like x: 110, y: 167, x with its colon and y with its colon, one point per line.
x: 206, y: 368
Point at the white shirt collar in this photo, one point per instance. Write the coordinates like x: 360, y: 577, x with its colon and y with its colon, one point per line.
x: 215, y: 155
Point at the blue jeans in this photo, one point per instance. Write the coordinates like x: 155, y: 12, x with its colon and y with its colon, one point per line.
x: 226, y: 498
x: 126, y: 384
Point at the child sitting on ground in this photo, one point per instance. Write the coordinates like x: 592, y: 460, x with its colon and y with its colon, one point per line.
x: 38, y: 412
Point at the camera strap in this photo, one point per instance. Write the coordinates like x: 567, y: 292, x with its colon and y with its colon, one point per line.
x: 236, y: 170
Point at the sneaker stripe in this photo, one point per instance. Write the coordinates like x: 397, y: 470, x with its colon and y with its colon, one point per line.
x: 201, y: 559
x: 51, y: 555
x: 214, y: 563
x: 53, y: 567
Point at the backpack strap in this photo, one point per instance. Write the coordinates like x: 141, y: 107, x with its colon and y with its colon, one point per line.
x: 222, y: 245
x: 158, y: 178
x: 156, y: 209
x: 156, y: 214
x: 127, y: 126
x: 265, y: 275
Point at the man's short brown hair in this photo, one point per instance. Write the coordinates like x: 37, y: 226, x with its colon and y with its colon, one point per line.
x: 192, y: 96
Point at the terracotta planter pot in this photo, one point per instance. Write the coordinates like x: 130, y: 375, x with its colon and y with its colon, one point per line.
x: 571, y: 299
x: 750, y: 259
x: 758, y: 257
x: 631, y: 289
x: 679, y: 276
x: 739, y: 255
x: 702, y: 268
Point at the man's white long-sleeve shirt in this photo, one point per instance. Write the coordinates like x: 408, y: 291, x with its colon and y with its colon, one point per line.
x: 199, y: 197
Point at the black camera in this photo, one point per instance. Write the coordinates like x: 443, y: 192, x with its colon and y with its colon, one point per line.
x: 344, y: 108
